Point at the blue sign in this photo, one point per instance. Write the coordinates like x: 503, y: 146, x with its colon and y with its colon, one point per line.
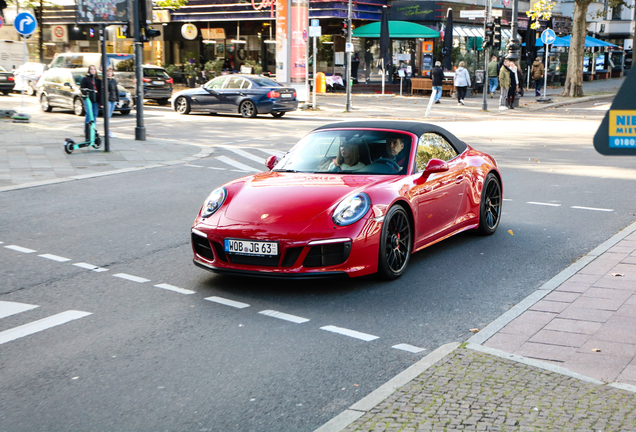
x: 25, y: 23
x: 548, y: 36
x: 314, y: 23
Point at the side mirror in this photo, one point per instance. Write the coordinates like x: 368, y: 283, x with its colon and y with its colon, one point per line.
x: 67, y: 84
x: 271, y: 162
x: 435, y: 166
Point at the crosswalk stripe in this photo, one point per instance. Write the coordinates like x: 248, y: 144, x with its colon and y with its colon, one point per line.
x: 40, y: 325
x: 245, y: 154
x: 270, y: 152
x: 12, y: 308
x: 236, y: 164
x: 351, y: 333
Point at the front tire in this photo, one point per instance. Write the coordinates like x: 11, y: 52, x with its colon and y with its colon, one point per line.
x: 490, y: 207
x: 248, y: 109
x: 395, y: 244
x: 162, y: 102
x: 78, y: 107
x: 182, y: 106
x: 44, y: 103
x: 68, y: 146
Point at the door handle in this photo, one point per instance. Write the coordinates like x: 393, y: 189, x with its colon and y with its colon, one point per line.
x: 459, y: 179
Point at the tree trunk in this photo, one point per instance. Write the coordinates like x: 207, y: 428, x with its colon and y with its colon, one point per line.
x: 574, y: 80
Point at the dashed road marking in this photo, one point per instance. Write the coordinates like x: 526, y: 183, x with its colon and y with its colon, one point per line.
x: 174, y: 288
x: 284, y: 316
x: 227, y: 302
x: 40, y: 325
x: 592, y: 208
x: 351, y: 333
x: 20, y: 249
x: 194, y: 166
x: 131, y: 278
x: 409, y: 348
x: 12, y: 308
x: 236, y: 164
x: 92, y: 267
x: 544, y: 204
x: 54, y: 257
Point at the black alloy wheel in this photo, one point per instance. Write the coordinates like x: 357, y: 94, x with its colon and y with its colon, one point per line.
x: 182, y: 106
x: 248, y: 109
x: 490, y: 207
x: 395, y: 244
x: 78, y: 107
x: 44, y: 103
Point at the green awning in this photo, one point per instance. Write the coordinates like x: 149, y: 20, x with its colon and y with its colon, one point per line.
x: 397, y: 30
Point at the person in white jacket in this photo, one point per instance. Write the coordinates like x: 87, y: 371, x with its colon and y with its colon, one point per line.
x: 462, y: 82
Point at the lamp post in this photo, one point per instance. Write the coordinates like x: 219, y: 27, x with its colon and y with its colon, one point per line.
x: 513, y: 45
x: 349, y: 82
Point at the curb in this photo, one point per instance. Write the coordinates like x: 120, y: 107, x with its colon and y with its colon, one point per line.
x: 572, y: 102
x: 204, y: 152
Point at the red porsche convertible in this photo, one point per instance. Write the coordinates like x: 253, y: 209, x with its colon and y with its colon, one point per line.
x: 350, y: 199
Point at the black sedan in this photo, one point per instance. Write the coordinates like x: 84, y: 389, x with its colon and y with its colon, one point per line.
x: 247, y: 95
x: 7, y: 81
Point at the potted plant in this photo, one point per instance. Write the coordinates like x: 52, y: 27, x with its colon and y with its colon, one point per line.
x: 213, y: 68
x: 191, y: 71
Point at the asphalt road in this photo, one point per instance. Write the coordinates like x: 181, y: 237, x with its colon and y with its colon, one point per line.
x: 151, y: 358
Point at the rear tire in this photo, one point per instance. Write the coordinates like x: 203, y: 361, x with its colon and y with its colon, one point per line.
x: 78, y: 107
x: 68, y: 146
x: 395, y: 244
x: 44, y: 103
x: 124, y: 112
x: 278, y: 114
x: 248, y: 109
x: 98, y: 140
x: 6, y: 92
x: 490, y: 207
x: 182, y: 106
x: 162, y: 102
x: 30, y: 91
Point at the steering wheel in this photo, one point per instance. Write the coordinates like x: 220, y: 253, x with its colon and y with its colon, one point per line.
x: 388, y: 162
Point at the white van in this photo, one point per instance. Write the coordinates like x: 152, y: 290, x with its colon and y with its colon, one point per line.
x: 123, y: 65
x: 11, y: 54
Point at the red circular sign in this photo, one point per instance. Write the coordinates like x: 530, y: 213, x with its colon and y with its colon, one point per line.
x: 59, y: 32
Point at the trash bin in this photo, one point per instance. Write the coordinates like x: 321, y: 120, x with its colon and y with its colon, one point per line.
x: 321, y: 83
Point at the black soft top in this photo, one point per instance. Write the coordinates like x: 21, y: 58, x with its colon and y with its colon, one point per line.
x: 416, y: 128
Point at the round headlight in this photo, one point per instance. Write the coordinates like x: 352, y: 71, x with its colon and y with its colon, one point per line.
x: 351, y: 209
x: 213, y: 202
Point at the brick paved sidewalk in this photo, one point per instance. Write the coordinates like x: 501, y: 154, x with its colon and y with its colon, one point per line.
x: 562, y: 359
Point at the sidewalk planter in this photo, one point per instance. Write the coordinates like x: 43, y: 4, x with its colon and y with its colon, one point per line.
x: 191, y: 82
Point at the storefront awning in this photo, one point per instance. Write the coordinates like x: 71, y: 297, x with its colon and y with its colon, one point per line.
x: 473, y: 31
x: 397, y: 30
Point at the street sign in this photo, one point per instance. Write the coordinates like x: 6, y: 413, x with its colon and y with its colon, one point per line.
x: 617, y: 134
x: 315, y: 23
x: 497, y: 13
x: 472, y: 14
x: 25, y: 23
x: 548, y: 36
x: 315, y: 31
x: 349, y: 47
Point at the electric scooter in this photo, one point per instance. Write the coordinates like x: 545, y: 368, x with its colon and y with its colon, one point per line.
x: 94, y: 139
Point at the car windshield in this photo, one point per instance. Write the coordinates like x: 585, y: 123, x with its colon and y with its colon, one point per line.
x: 349, y: 151
x: 155, y: 73
x: 265, y: 82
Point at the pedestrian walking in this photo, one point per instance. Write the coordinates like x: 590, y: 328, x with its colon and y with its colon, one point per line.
x: 462, y: 82
x: 438, y: 79
x: 537, y: 73
x: 514, y: 83
x: 493, y: 75
x: 504, y: 84
x: 113, y: 95
x: 92, y: 84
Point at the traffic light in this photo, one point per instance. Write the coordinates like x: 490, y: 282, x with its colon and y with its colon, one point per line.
x: 496, y: 45
x: 344, y: 28
x: 149, y: 33
x: 490, y: 35
x: 145, y: 18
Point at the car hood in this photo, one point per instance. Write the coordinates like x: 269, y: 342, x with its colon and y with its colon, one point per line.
x: 275, y: 197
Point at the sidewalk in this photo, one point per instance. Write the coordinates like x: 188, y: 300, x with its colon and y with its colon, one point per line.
x: 562, y: 359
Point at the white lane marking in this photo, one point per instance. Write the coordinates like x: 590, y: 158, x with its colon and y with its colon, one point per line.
x: 236, y: 164
x: 12, y: 308
x: 38, y: 326
x: 409, y: 348
x: 194, y: 166
x: 20, y: 249
x: 227, y: 302
x: 131, y: 278
x: 544, y: 204
x: 245, y: 154
x: 284, y: 316
x: 215, y: 168
x: 174, y: 288
x: 270, y: 152
x: 88, y: 266
x: 351, y: 333
x: 237, y: 170
x: 507, y: 199
x: 592, y: 208
x: 1, y: 242
x: 54, y: 257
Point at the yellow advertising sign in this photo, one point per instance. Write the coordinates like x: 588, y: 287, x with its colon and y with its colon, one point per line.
x: 622, y: 128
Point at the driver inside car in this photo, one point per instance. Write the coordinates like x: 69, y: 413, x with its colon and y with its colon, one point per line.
x: 394, y: 148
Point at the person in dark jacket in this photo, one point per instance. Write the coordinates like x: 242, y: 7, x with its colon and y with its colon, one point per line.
x: 113, y: 95
x: 438, y: 78
x: 92, y: 84
x: 514, y: 83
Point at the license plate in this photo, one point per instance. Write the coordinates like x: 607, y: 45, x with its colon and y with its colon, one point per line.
x: 3, y: 78
x: 253, y: 248
x: 286, y: 95
x: 157, y: 82
x: 120, y: 104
